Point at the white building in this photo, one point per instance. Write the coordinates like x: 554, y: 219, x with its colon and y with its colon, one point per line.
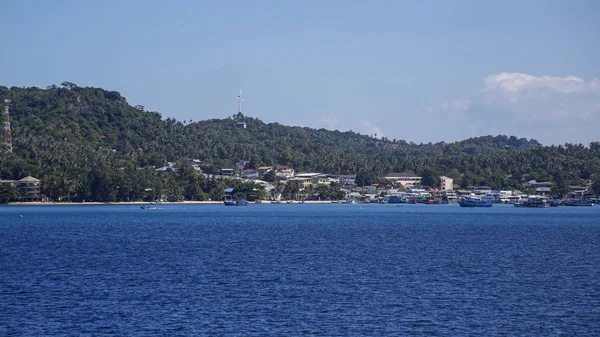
x: 284, y: 171
x: 446, y: 183
x: 347, y: 180
x: 408, y: 180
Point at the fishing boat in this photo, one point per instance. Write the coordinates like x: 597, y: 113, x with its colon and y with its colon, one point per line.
x: 533, y: 202
x: 235, y: 202
x: 396, y: 199
x: 474, y: 202
x: 578, y: 202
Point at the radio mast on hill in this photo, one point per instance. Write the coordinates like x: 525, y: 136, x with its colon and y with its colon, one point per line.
x: 6, y: 130
x: 240, y: 123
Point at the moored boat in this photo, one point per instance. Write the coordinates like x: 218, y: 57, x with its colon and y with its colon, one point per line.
x: 474, y: 202
x: 533, y: 202
x: 235, y: 202
x: 578, y: 202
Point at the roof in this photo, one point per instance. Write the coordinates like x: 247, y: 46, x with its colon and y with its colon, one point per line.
x: 265, y: 167
x: 307, y: 175
x: 29, y: 179
x: 229, y: 190
x: 402, y: 175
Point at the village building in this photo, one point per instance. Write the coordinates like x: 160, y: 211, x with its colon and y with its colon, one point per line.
x: 227, y: 172
x: 408, y: 180
x: 347, y: 180
x: 539, y: 187
x: 284, y: 172
x: 30, y: 189
x: 446, y: 183
x: 264, y: 169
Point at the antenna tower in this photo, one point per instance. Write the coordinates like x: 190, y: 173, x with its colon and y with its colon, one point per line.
x: 239, y: 98
x: 6, y: 129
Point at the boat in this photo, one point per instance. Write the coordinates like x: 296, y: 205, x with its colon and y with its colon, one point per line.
x: 235, y: 202
x: 474, y: 202
x: 147, y: 207
x: 578, y: 202
x: 351, y: 201
x: 396, y: 199
x: 533, y: 202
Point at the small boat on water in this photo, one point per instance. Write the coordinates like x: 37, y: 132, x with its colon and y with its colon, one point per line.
x: 533, y: 202
x: 147, y: 207
x: 235, y: 202
x: 474, y: 202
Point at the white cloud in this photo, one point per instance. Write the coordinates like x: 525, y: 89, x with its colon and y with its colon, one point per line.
x: 329, y: 123
x: 370, y: 129
x: 519, y: 82
x: 542, y: 98
x: 551, y: 109
x: 456, y: 107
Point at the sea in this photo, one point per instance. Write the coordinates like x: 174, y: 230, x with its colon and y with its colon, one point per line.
x: 299, y: 270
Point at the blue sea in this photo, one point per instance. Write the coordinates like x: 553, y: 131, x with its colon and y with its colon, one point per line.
x: 299, y: 269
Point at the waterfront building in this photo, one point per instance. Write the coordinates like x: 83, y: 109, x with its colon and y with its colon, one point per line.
x: 446, y: 183
x: 30, y: 189
x: 539, y: 187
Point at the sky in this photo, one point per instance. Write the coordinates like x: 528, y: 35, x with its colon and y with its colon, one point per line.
x: 420, y: 71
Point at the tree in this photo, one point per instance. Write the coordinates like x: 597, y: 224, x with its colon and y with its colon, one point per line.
x: 270, y: 176
x: 430, y: 177
x: 596, y: 185
x: 8, y: 193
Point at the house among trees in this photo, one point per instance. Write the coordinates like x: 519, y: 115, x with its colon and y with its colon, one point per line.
x: 346, y: 180
x: 241, y: 164
x: 227, y: 172
x: 539, y: 187
x: 264, y: 169
x: 284, y: 172
x: 250, y: 173
x: 30, y: 189
x: 241, y: 125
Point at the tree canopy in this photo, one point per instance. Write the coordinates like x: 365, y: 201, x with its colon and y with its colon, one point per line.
x: 91, y: 143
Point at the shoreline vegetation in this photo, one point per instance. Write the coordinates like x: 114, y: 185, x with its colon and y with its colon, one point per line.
x: 46, y: 203
x: 85, y: 143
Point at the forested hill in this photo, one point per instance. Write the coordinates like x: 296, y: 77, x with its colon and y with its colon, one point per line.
x: 70, y: 131
x: 97, y: 116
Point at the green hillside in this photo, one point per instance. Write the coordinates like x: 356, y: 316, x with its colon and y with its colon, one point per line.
x: 90, y: 140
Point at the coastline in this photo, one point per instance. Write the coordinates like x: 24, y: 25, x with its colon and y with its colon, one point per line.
x: 45, y: 203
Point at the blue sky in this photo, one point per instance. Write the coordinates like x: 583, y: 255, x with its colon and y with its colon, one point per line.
x: 414, y: 70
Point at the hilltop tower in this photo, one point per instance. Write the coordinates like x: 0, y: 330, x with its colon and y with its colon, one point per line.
x: 7, y: 138
x: 239, y: 99
x: 240, y: 122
